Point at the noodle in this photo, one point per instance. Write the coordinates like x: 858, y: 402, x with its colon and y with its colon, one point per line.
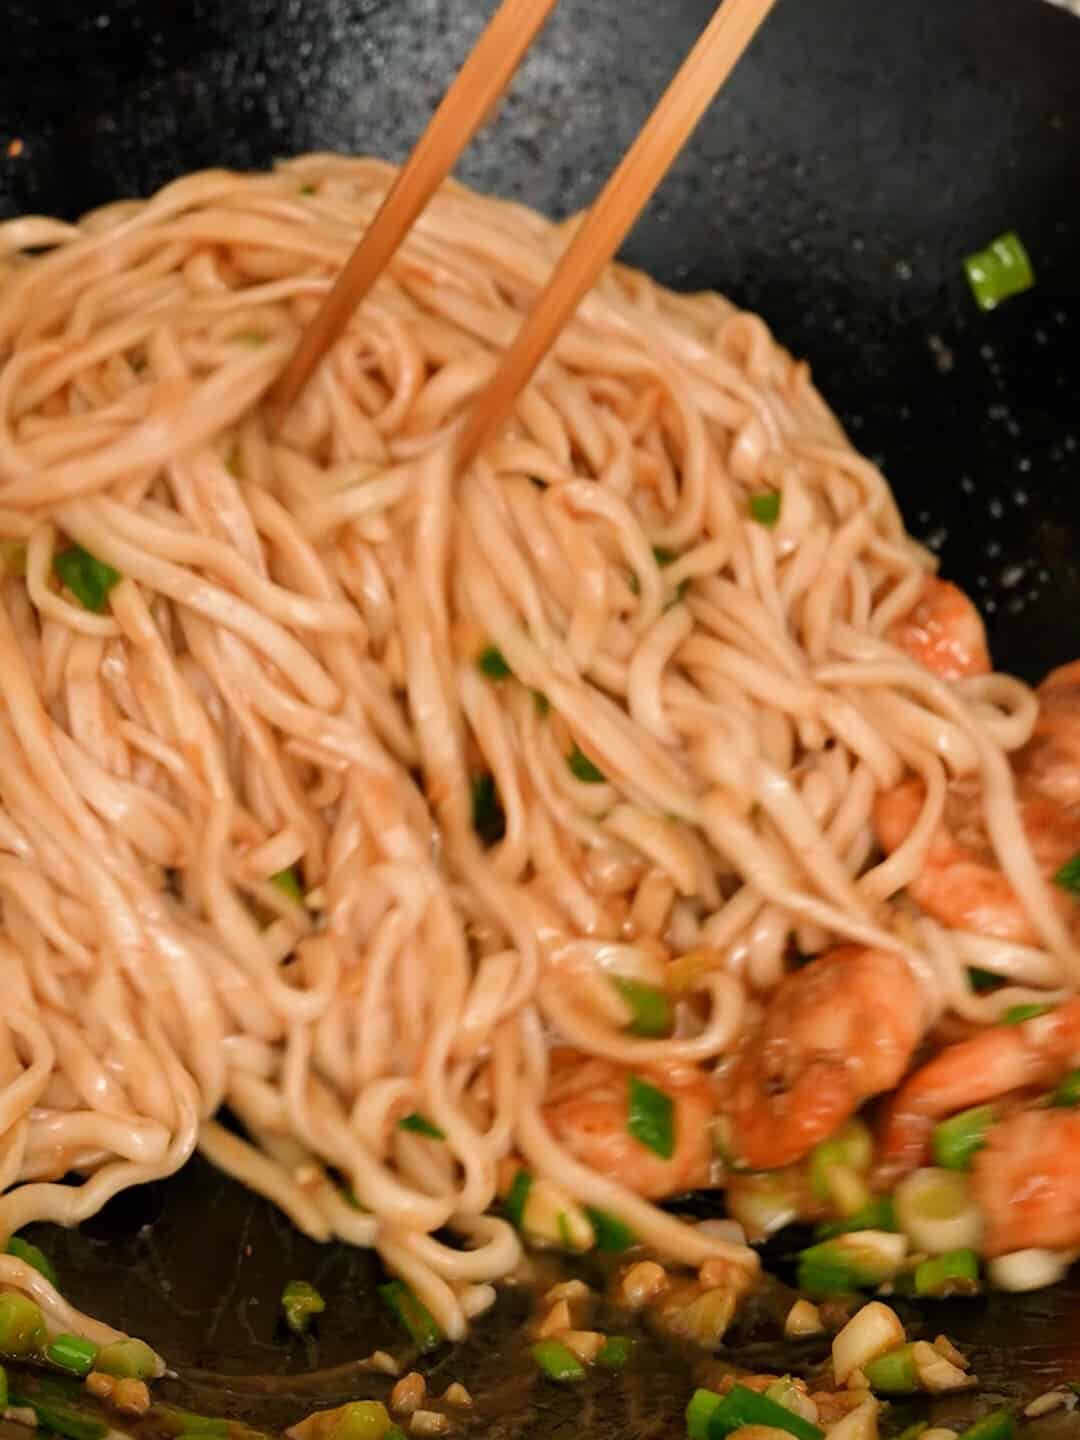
x: 286, y: 674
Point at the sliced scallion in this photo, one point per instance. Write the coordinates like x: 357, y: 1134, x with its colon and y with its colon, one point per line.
x: 516, y: 1198
x: 983, y: 980
x: 1000, y: 271
x: 1068, y: 877
x: 1067, y: 1093
x: 612, y: 1236
x: 493, y: 663
x: 879, y: 1214
x: 583, y: 768
x: 361, y: 1420
x: 1018, y: 1014
x: 558, y: 1362
x: 413, y: 1315
x: 893, y: 1374
x: 998, y: 1425
x: 765, y: 508
x: 954, y: 1273
x: 488, y: 816
x: 856, y: 1261
x: 289, y: 883
x: 88, y: 578
x: 614, y: 1353
x: 300, y: 1303
x: 650, y: 1005
x: 663, y: 556
x: 127, y: 1360
x: 651, y: 1118
x: 959, y: 1139
x: 742, y: 1406
x: 30, y: 1254
x: 22, y: 1326
x: 73, y: 1354
x: 417, y: 1124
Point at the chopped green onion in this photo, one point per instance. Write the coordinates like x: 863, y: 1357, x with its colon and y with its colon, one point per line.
x: 395, y: 1433
x: 1017, y: 1014
x: 1001, y: 270
x: 418, y: 1124
x: 558, y: 1362
x: 741, y: 1406
x: 300, y: 1303
x: 1068, y: 1090
x: 850, y: 1147
x: 413, y: 1315
x: 127, y: 1360
x: 566, y: 1238
x: 614, y: 1353
x: 879, y: 1214
x: 584, y: 768
x: 56, y: 1413
x: 612, y: 1236
x: 998, y: 1425
x: 518, y: 1194
x: 893, y: 1374
x: 651, y: 1118
x: 856, y: 1261
x: 488, y: 816
x: 186, y: 1422
x: 88, y: 578
x: 765, y: 509
x: 663, y: 556
x: 1068, y: 877
x: 983, y: 980
x: 541, y: 701
x: 22, y: 1328
x: 31, y: 1255
x: 651, y: 1007
x: 362, y: 1420
x: 73, y: 1354
x: 955, y: 1273
x: 958, y: 1139
x: 493, y: 663
x: 288, y: 882
x: 703, y: 1403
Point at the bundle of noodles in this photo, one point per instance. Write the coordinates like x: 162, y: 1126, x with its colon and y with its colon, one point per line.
x: 257, y: 689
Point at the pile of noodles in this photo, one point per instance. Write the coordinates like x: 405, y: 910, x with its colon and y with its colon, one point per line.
x: 286, y: 674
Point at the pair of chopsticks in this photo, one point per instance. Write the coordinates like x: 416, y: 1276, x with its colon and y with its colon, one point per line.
x: 466, y: 105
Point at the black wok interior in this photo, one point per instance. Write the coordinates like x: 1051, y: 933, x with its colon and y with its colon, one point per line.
x: 861, y: 151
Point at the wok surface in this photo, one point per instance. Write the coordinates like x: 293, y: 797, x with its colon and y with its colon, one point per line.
x: 860, y: 152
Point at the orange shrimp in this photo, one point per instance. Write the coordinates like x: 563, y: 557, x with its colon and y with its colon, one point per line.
x: 944, y: 632
x: 835, y: 1033
x: 1026, y: 1183
x: 993, y: 1063
x: 1050, y: 762
x: 961, y: 883
x: 587, y: 1110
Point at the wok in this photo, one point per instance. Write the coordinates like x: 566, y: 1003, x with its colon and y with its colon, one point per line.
x: 860, y: 152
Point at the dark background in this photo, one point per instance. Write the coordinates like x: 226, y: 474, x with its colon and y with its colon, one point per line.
x: 862, y: 149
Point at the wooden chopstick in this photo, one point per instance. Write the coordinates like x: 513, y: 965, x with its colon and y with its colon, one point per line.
x: 604, y: 228
x: 462, y: 111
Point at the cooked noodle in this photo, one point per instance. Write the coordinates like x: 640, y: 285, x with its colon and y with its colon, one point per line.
x: 287, y: 674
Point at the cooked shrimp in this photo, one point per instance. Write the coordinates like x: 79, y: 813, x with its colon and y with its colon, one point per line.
x: 1050, y: 762
x: 1026, y: 1183
x: 993, y: 1063
x: 961, y: 883
x: 944, y: 632
x: 587, y: 1111
x: 835, y: 1033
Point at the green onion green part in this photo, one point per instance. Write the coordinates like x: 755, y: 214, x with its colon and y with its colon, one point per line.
x: 699, y: 1412
x: 612, y: 1236
x: 518, y: 1194
x: 650, y: 1005
x: 300, y: 1303
x: 879, y: 1214
x: 1000, y: 271
x: 584, y: 768
x: 488, y: 816
x: 127, y: 1360
x: 842, y: 1265
x: 893, y: 1374
x: 88, y: 578
x: 1017, y: 1014
x: 493, y: 663
x: 413, y: 1315
x: 983, y: 980
x: 417, y: 1124
x: 958, y: 1139
x: 651, y: 1118
x: 55, y: 1412
x: 1067, y: 1093
x: 566, y: 1238
x: 73, y: 1354
x: 32, y: 1255
x: 614, y: 1353
x: 663, y: 556
x: 765, y: 508
x: 22, y: 1327
x: 395, y: 1433
x: 741, y: 1406
x: 1068, y: 877
x: 558, y: 1362
x: 288, y: 882
x: 955, y: 1273
x: 998, y: 1425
